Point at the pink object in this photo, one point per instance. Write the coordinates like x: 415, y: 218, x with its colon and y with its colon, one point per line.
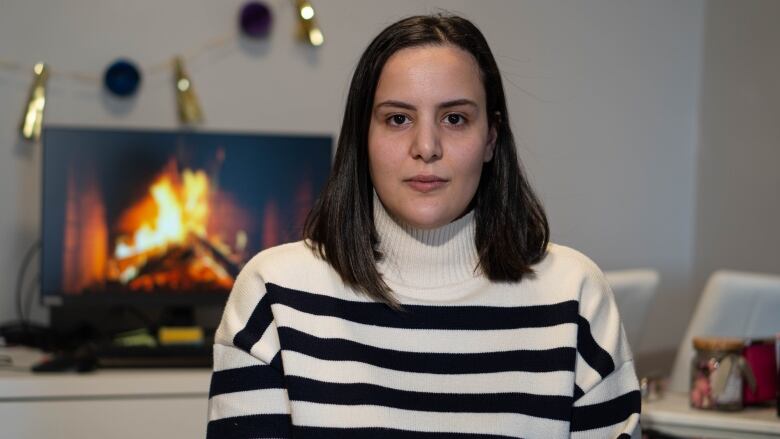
x: 760, y: 358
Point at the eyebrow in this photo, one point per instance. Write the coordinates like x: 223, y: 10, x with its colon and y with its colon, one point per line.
x: 447, y: 104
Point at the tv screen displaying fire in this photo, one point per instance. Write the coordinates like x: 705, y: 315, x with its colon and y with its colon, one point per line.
x: 145, y: 213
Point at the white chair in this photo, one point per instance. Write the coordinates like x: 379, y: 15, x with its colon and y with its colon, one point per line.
x: 634, y: 291
x: 733, y: 304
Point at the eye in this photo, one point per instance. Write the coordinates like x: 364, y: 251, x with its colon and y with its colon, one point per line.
x: 397, y: 119
x: 455, y: 119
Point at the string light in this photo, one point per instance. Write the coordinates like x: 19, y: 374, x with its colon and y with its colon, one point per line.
x: 32, y: 116
x: 187, y: 101
x: 308, y: 30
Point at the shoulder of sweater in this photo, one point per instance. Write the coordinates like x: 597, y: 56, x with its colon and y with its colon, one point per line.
x: 563, y: 257
x: 595, y: 294
x: 564, y: 264
x: 282, y: 257
x: 294, y: 265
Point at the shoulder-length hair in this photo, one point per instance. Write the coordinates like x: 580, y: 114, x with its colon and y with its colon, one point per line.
x: 512, y: 232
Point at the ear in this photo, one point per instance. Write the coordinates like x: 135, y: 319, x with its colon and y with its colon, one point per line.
x: 490, y: 147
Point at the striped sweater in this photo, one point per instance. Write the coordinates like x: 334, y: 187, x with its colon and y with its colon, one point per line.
x: 299, y: 354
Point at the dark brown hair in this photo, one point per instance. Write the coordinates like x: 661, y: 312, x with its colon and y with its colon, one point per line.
x: 512, y: 232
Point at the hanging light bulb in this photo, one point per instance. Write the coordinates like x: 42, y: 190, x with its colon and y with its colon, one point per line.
x: 186, y: 99
x: 308, y: 28
x: 32, y: 117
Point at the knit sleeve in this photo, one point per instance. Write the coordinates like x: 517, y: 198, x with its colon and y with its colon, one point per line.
x: 248, y: 397
x: 607, y: 401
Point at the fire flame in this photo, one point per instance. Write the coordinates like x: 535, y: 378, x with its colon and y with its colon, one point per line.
x: 167, y: 243
x: 183, y: 234
x: 179, y: 213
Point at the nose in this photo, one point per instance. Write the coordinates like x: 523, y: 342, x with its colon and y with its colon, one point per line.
x: 426, y: 145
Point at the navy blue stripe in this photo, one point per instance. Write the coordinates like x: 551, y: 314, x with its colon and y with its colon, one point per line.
x: 259, y: 320
x: 578, y: 392
x: 591, y: 352
x: 427, y: 316
x: 253, y: 426
x: 384, y: 433
x: 606, y: 413
x: 334, y: 349
x: 541, y: 406
x: 276, y: 362
x: 245, y: 378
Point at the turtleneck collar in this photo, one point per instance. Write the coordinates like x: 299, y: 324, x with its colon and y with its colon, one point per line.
x: 420, y: 258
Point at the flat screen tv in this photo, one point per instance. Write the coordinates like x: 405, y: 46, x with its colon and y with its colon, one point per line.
x: 168, y: 217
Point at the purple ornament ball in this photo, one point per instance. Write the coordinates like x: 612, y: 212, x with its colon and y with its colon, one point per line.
x: 255, y: 19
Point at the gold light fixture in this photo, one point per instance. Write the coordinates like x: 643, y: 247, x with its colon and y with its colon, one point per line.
x: 32, y: 117
x: 186, y: 99
x: 308, y: 29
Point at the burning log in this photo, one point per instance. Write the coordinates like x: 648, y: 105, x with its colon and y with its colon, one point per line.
x: 218, y: 256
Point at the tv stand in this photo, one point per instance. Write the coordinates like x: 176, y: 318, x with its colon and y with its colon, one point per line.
x: 167, y: 356
x: 180, y: 315
x: 98, y: 331
x: 115, y: 403
x: 100, y: 320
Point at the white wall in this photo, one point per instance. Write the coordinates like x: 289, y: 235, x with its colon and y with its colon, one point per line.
x: 603, y: 97
x: 739, y: 153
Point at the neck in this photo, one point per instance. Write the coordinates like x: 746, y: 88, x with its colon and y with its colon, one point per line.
x: 426, y: 258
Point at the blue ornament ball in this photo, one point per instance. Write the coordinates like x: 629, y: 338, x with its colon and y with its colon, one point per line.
x: 122, y: 78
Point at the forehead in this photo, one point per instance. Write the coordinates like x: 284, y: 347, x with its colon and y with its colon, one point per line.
x: 430, y: 72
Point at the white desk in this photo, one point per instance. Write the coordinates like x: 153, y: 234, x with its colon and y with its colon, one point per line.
x: 673, y: 415
x: 170, y: 403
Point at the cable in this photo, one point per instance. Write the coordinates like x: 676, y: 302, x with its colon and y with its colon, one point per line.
x: 20, y: 280
x: 30, y: 296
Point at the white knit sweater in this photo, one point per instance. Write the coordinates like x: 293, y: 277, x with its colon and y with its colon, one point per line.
x: 299, y: 354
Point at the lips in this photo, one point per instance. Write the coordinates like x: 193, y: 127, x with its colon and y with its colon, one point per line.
x: 426, y: 183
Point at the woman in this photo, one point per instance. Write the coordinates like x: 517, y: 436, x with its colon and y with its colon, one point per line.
x: 426, y: 300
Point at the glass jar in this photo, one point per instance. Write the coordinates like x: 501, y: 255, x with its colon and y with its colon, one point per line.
x: 716, y: 373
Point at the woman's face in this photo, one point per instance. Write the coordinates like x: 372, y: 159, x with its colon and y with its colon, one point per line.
x: 429, y: 135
